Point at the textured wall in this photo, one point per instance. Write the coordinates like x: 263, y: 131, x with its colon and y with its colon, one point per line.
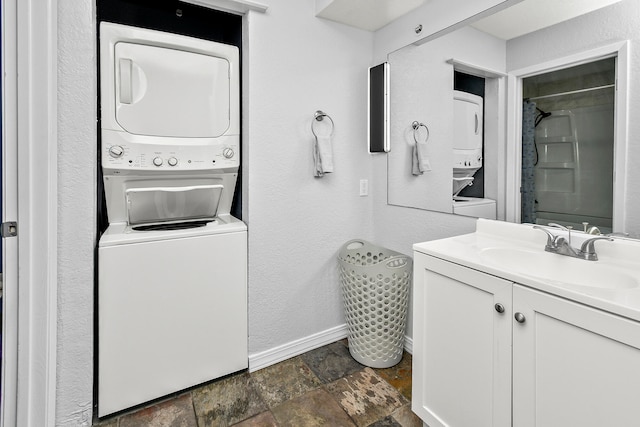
x: 76, y: 211
x: 298, y: 64
x: 608, y: 25
x: 295, y: 64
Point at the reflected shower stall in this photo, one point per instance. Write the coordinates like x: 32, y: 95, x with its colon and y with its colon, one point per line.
x: 567, y: 146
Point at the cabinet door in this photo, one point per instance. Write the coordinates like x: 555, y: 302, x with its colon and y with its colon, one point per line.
x: 461, y: 346
x: 573, y: 365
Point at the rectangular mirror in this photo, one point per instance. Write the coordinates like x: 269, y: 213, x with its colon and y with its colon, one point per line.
x: 423, y: 84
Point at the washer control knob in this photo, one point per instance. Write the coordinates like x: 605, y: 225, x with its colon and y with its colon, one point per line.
x: 172, y: 161
x: 157, y: 161
x: 228, y: 153
x: 116, y: 151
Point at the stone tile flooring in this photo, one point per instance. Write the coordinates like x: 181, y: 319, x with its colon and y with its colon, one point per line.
x: 324, y: 387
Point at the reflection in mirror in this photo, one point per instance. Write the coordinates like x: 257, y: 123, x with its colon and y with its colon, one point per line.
x: 463, y: 146
x: 573, y: 182
x: 567, y: 146
x: 468, y: 136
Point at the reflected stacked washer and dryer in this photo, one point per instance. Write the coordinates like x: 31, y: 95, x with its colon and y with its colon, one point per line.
x: 467, y: 154
x: 172, y: 282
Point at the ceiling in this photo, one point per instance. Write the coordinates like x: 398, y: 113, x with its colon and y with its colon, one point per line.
x: 370, y: 15
x: 532, y: 15
x: 519, y: 19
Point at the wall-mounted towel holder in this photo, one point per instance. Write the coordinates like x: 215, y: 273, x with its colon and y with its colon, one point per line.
x: 322, y: 151
x: 416, y: 128
x: 319, y: 116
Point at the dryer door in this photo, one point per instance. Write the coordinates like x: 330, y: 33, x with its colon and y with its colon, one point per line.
x: 467, y: 133
x: 169, y: 92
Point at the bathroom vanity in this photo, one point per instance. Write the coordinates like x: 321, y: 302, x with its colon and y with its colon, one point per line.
x: 508, y: 334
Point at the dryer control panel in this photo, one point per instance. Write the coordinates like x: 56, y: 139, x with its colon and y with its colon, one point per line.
x: 120, y: 154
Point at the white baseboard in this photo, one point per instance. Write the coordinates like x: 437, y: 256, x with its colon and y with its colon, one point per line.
x: 408, y: 344
x: 294, y: 348
x: 291, y: 349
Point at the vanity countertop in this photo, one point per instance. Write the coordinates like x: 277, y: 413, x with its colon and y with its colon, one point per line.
x: 516, y: 252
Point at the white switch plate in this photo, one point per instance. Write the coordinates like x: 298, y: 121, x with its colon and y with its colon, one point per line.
x: 364, y: 187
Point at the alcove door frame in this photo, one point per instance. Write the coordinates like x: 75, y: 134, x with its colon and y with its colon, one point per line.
x: 513, y: 160
x: 30, y: 141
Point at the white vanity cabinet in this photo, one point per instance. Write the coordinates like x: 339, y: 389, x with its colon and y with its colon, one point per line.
x: 533, y: 360
x: 573, y: 365
x: 461, y: 345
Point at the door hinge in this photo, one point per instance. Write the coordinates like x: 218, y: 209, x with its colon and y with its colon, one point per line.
x: 9, y: 229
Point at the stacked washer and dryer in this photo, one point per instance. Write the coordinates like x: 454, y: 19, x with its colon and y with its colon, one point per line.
x: 172, y: 281
x: 467, y: 154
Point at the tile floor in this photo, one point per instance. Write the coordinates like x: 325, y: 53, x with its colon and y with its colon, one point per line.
x: 324, y: 387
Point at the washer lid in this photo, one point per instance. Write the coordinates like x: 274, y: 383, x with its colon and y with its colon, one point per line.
x: 169, y: 92
x: 160, y: 204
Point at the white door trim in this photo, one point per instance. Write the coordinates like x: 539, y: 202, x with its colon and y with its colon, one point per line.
x: 30, y: 37
x: 514, y: 124
x: 9, y: 213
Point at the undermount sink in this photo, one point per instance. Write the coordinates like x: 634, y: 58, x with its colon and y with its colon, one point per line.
x: 558, y: 269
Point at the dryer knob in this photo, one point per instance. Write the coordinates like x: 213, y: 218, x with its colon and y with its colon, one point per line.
x: 172, y: 161
x: 157, y: 161
x: 228, y: 153
x: 116, y: 151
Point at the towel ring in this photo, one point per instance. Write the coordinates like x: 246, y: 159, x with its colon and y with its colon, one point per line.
x: 318, y: 117
x: 416, y: 126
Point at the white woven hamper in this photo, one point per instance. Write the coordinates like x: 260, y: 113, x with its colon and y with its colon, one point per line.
x: 375, y: 284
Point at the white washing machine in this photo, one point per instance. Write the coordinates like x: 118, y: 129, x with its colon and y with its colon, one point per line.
x: 172, y: 310
x: 172, y: 281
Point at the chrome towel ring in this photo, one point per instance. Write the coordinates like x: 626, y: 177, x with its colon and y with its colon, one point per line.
x: 319, y: 116
x: 416, y: 128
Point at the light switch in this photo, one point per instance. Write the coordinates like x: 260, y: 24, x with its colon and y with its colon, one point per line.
x: 364, y: 187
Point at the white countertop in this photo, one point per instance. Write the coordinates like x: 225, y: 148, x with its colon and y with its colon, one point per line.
x: 621, y: 255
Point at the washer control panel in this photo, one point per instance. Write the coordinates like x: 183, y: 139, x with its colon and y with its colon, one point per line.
x: 123, y: 155
x: 467, y: 159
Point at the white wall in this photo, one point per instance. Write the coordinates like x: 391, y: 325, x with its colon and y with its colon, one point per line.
x: 77, y: 170
x: 298, y: 64
x: 611, y: 24
x: 295, y: 65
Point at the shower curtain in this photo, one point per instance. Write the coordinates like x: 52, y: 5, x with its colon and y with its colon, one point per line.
x: 527, y: 194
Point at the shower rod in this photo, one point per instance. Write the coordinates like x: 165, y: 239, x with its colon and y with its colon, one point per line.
x: 572, y: 92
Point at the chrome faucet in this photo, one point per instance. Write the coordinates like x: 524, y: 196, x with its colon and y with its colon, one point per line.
x: 588, y: 250
x: 559, y: 245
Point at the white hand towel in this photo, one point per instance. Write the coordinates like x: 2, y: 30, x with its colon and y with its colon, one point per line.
x: 322, y: 155
x: 420, y: 161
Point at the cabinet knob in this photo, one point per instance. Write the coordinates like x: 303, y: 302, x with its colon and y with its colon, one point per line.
x: 519, y: 317
x: 499, y: 308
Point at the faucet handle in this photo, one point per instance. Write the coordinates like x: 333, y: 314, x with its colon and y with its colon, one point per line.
x: 551, y: 239
x: 568, y: 229
x: 561, y: 227
x: 588, y: 250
